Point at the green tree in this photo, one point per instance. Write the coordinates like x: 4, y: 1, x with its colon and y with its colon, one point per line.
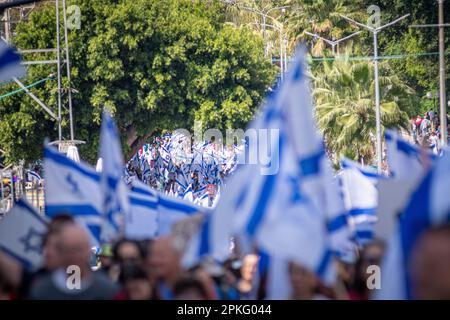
x: 345, y: 106
x: 155, y: 64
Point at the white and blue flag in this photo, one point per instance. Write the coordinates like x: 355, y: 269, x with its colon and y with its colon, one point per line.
x: 21, y: 234
x: 288, y: 200
x: 406, y: 161
x: 429, y: 206
x: 142, y: 221
x: 359, y: 188
x: 113, y: 187
x: 72, y: 188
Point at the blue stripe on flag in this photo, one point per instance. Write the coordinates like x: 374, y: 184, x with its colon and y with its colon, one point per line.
x: 266, y: 192
x: 322, y: 268
x: 310, y: 165
x: 143, y: 203
x: 359, y: 212
x: 416, y: 221
x: 337, y: 223
x: 73, y: 210
x: 61, y: 159
x: 204, y: 238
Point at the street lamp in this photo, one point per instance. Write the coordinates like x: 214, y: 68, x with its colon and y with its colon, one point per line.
x: 333, y: 42
x: 431, y: 95
x: 375, y: 32
x: 265, y: 15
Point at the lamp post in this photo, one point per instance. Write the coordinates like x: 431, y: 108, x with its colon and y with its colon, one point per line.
x: 442, y: 95
x: 265, y: 15
x: 333, y: 43
x: 375, y: 32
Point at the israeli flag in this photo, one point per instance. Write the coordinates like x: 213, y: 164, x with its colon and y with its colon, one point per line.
x: 33, y: 176
x: 9, y: 63
x: 21, y: 233
x: 72, y: 188
x: 429, y: 206
x: 406, y: 160
x: 188, y: 194
x: 290, y: 201
x: 360, y: 198
x: 142, y: 221
x: 113, y: 187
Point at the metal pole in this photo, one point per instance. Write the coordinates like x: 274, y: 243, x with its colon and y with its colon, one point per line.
x: 285, y: 55
x: 281, y: 56
x: 68, y: 71
x: 264, y: 36
x: 377, y: 101
x: 442, y: 95
x: 58, y: 57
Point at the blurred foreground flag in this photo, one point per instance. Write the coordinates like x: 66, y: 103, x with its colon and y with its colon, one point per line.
x: 142, y: 221
x: 115, y: 203
x: 21, y: 233
x: 406, y: 161
x: 360, y: 198
x: 429, y: 206
x: 285, y: 200
x: 72, y: 188
x: 9, y: 63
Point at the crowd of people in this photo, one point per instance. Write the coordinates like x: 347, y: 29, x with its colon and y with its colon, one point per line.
x: 426, y: 130
x: 152, y: 270
x: 173, y: 165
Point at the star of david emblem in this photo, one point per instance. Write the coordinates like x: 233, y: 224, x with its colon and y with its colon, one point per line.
x: 32, y: 241
x: 296, y: 195
x: 72, y: 183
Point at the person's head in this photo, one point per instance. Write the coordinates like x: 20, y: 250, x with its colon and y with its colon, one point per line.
x: 135, y: 282
x: 127, y: 252
x: 74, y: 247
x: 371, y: 254
x: 304, y: 282
x: 106, y: 256
x: 51, y: 239
x: 430, y: 264
x: 249, y: 266
x: 164, y: 259
x: 189, y: 288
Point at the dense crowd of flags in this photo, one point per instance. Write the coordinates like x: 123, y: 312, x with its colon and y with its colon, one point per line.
x: 303, y: 213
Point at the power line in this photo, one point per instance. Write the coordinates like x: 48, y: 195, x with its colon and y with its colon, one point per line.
x: 27, y: 87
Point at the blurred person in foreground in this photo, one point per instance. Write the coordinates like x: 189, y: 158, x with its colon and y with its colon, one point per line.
x: 429, y: 265
x: 20, y: 280
x: 164, y: 266
x: 135, y: 284
x: 73, y: 249
x: 371, y: 255
x: 246, y: 284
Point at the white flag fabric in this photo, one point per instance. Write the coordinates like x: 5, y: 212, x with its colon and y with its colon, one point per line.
x: 21, y: 232
x: 360, y: 198
x: 113, y: 187
x: 429, y: 206
x: 142, y: 221
x: 406, y: 161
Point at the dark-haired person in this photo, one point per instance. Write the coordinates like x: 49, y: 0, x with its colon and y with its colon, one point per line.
x: 135, y: 283
x: 189, y: 288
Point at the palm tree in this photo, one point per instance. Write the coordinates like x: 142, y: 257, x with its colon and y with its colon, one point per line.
x: 344, y: 98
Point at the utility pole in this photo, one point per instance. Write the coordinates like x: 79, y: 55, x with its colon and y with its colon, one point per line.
x: 442, y: 94
x: 333, y: 43
x: 375, y: 32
